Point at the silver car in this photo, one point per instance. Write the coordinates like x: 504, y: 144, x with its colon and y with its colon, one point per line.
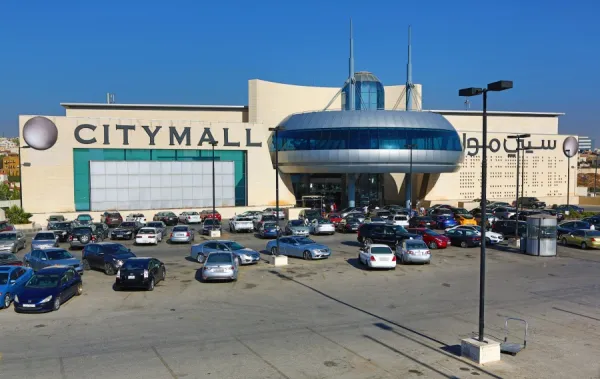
x: 44, y: 240
x: 243, y: 255
x: 12, y: 241
x: 413, y: 251
x: 220, y: 266
x: 296, y: 228
x: 182, y: 234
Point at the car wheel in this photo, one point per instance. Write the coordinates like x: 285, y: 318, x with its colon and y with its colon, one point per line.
x: 564, y: 241
x: 56, y: 305
x: 109, y: 269
x: 6, y: 301
x: 199, y: 259
x: 307, y: 256
x: 164, y: 275
x: 79, y: 290
x: 584, y: 246
x: 85, y: 264
x: 238, y: 261
x: 432, y: 245
x: 151, y: 285
x: 463, y: 244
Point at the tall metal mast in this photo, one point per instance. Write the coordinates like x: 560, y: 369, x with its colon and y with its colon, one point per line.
x: 351, y: 73
x: 409, y: 83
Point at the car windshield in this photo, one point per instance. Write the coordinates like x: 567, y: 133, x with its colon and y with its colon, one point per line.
x: 399, y: 229
x: 415, y: 245
x: 8, y: 237
x: 376, y: 219
x: 3, y: 278
x: 57, y: 255
x: 593, y: 233
x: 155, y: 224
x: 381, y: 250
x: 324, y: 221
x: 82, y: 230
x: 243, y: 219
x: 84, y: 217
x: 296, y: 223
x: 59, y: 225
x: 180, y: 229
x: 44, y: 236
x: 219, y: 258
x: 134, y: 264
x: 113, y: 215
x: 432, y: 233
x: 210, y: 221
x: 116, y: 248
x: 268, y: 218
x: 146, y: 231
x: 195, y: 213
x: 304, y: 241
x: 8, y: 256
x: 43, y: 281
x: 461, y: 211
x: 170, y: 214
x: 127, y: 225
x: 270, y: 225
x: 234, y: 245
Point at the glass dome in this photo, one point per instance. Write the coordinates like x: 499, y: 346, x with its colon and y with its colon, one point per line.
x: 369, y: 93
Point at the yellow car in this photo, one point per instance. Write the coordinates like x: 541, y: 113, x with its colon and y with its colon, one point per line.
x: 583, y: 238
x: 464, y: 219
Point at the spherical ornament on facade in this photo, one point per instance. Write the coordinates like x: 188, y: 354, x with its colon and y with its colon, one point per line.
x: 40, y: 133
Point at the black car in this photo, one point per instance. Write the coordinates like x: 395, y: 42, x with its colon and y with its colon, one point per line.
x: 140, y: 273
x: 507, y: 227
x: 463, y: 237
x: 82, y: 235
x: 169, y: 218
x: 383, y: 233
x: 530, y: 202
x: 552, y: 212
x: 594, y: 220
x: 348, y: 224
x: 105, y: 256
x: 569, y: 208
x: 61, y: 229
x: 126, y: 231
x: 385, y: 214
x: 567, y: 227
x: 210, y: 224
x: 522, y: 215
x: 159, y: 225
x: 102, y: 229
x: 422, y: 222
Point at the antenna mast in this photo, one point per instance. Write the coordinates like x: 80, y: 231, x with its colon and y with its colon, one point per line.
x: 351, y: 78
x: 409, y: 83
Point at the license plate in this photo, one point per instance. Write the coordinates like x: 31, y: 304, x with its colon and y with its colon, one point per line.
x: 131, y: 277
x: 384, y: 259
x: 179, y: 235
x: 29, y: 305
x: 219, y: 270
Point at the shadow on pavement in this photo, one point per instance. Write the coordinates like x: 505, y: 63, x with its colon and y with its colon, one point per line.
x: 355, y: 262
x: 351, y: 243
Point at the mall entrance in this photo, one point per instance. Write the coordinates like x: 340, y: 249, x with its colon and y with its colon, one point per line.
x: 333, y: 188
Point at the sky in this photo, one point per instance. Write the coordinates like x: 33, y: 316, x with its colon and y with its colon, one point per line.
x: 204, y: 52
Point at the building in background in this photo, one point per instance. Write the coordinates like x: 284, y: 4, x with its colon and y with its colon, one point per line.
x: 10, y: 165
x: 585, y: 144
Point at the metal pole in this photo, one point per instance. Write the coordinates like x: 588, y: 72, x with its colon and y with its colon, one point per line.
x: 522, y: 179
x: 595, y: 172
x: 568, y: 178
x: 20, y: 176
x: 410, y: 174
x: 483, y: 220
x: 517, y: 202
x: 213, y: 185
x: 277, y: 184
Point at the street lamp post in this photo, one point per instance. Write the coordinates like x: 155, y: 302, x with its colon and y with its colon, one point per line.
x: 519, y: 138
x: 277, y: 129
x: 410, y: 146
x: 467, y: 92
x: 595, y: 171
x: 213, y: 143
x: 568, y: 175
x: 21, y: 174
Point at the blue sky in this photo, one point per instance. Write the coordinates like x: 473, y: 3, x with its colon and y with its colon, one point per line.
x: 199, y: 52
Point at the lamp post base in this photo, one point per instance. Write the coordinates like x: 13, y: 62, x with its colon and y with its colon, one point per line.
x: 215, y: 234
x: 480, y: 352
x: 278, y: 260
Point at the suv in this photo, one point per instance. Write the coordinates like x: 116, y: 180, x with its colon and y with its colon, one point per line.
x: 127, y: 230
x: 61, y: 230
x: 531, y: 202
x: 169, y: 218
x: 105, y: 256
x: 309, y: 214
x: 111, y: 219
x: 381, y: 233
x: 82, y: 235
x: 265, y: 217
x: 507, y: 228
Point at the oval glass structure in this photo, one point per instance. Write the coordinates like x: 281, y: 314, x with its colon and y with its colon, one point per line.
x: 367, y: 141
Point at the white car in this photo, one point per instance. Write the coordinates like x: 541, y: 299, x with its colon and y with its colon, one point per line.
x: 241, y: 224
x: 491, y: 237
x: 398, y: 219
x: 136, y: 217
x: 190, y: 218
x: 377, y: 256
x: 413, y: 251
x: 321, y: 226
x: 274, y: 212
x: 146, y: 236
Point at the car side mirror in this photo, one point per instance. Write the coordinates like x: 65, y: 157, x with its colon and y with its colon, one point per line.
x: 13, y: 281
x: 43, y: 259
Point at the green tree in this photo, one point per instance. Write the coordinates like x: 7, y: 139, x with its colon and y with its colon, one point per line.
x: 16, y: 215
x: 5, y: 192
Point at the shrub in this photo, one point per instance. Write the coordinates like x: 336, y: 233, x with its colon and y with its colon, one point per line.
x: 16, y: 215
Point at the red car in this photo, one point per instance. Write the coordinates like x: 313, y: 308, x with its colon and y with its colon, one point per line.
x: 209, y: 214
x: 335, y: 218
x: 9, y: 259
x: 6, y: 227
x: 433, y: 239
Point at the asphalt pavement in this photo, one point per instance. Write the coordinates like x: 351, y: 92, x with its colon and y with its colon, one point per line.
x: 317, y: 319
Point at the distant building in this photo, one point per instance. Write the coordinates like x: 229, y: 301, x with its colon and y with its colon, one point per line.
x: 7, y: 144
x: 586, y: 143
x: 10, y: 165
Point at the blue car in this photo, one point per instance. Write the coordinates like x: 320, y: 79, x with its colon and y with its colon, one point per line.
x: 39, y: 259
x: 44, y: 240
x: 269, y: 230
x: 12, y: 281
x: 47, y: 289
x: 297, y: 246
x: 445, y: 221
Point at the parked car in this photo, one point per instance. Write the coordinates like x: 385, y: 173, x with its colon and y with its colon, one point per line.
x: 507, y: 228
x: 567, y: 227
x: 301, y: 247
x: 321, y: 226
x: 158, y: 225
x: 243, y: 255
x: 357, y: 215
x: 190, y: 217
x: 274, y: 212
x: 503, y: 213
x: 55, y: 218
x: 369, y: 234
x: 465, y: 219
x: 491, y: 238
x: 442, y: 211
x: 490, y: 218
x: 265, y: 217
x: 136, y: 217
x: 140, y: 273
x: 377, y: 256
x: 443, y: 221
x: 344, y: 212
x: 563, y: 208
x: 310, y: 214
x: 422, y: 222
x: 82, y: 235
x: 103, y: 229
x: 169, y: 218
x: 463, y: 238
x: 38, y: 259
x: 182, y: 234
x: 296, y: 228
x: 398, y: 219
x: 524, y: 214
x: 210, y: 224
x: 241, y: 224
x: 413, y: 251
x: 530, y: 202
x: 269, y: 230
x: 375, y: 220
x: 384, y: 214
x: 349, y: 224
x: 6, y: 227
x: 335, y: 218
x: 12, y: 281
x: 552, y: 212
x: 111, y: 219
x: 44, y: 240
x: 105, y: 256
x: 9, y: 259
x: 254, y: 215
x: 126, y: 231
x: 84, y: 219
x: 208, y: 214
x: 594, y: 220
x: 584, y: 238
x: 431, y: 238
x: 48, y: 289
x: 12, y: 241
x: 61, y: 229
x: 148, y: 236
x: 220, y: 266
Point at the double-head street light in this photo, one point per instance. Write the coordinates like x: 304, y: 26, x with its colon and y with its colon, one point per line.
x: 277, y: 129
x: 213, y: 143
x: 467, y: 92
x: 410, y: 146
x: 519, y: 138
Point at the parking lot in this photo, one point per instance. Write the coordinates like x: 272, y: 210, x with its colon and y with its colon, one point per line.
x: 316, y: 319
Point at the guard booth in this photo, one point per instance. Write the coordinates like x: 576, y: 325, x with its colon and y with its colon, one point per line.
x: 541, y: 235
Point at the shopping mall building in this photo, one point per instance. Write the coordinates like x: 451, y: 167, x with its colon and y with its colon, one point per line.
x: 351, y: 149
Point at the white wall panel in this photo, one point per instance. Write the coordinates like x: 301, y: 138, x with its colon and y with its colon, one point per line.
x: 133, y: 185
